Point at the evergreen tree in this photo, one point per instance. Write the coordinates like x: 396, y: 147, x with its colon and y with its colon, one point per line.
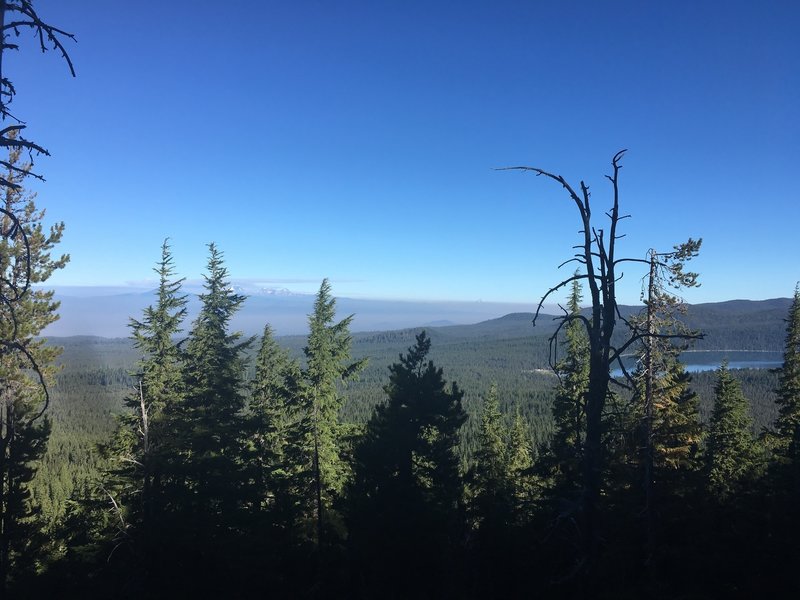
x: 408, y: 494
x: 666, y: 412
x: 25, y: 258
x: 786, y: 438
x: 502, y: 487
x: 274, y: 392
x: 491, y: 474
x: 327, y: 365
x: 677, y: 433
x: 501, y: 478
x: 209, y: 485
x: 143, y: 444
x: 154, y: 336
x: 214, y: 393
x: 520, y: 467
x: 731, y: 455
x: 569, y: 411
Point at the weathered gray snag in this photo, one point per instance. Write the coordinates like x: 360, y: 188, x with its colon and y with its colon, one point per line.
x: 597, y: 255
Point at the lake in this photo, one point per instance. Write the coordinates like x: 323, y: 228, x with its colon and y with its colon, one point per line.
x: 710, y: 360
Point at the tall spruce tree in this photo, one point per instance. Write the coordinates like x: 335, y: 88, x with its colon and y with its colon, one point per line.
x: 143, y: 445
x: 569, y: 406
x: 520, y: 464
x: 787, y: 427
x: 492, y: 477
x: 214, y: 398
x: 25, y: 258
x: 207, y: 487
x: 501, y: 477
x: 328, y: 364
x: 731, y: 454
x: 406, y: 511
x: 501, y: 484
x: 272, y: 406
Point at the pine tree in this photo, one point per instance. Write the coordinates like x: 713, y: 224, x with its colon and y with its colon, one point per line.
x: 677, y: 432
x: 143, y: 443
x: 492, y: 476
x: 501, y: 478
x: 787, y: 427
x: 407, y: 496
x: 327, y: 365
x: 274, y: 394
x: 668, y: 429
x: 25, y: 258
x: 520, y: 466
x: 154, y: 336
x: 731, y: 455
x: 214, y: 399
x: 502, y: 486
x: 206, y: 487
x: 569, y: 412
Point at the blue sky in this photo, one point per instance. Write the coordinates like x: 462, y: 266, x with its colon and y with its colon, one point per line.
x: 358, y: 140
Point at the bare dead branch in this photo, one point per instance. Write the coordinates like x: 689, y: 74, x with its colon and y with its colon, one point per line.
x: 555, y: 289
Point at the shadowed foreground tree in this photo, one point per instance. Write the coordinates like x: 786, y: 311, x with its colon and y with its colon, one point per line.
x: 143, y: 443
x: 209, y: 486
x: 502, y: 484
x: 786, y: 438
x: 23, y: 428
x: 273, y: 416
x: 407, y: 498
x: 327, y: 366
x: 597, y: 254
x: 563, y: 458
x: 731, y: 454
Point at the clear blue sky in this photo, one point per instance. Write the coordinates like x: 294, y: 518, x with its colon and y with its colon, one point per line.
x: 357, y: 140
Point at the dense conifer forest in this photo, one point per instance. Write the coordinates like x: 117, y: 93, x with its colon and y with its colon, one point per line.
x: 500, y: 365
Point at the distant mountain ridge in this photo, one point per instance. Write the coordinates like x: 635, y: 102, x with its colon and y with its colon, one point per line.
x: 107, y: 312
x: 756, y: 324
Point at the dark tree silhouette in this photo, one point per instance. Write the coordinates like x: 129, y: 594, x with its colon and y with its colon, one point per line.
x: 600, y: 270
x: 406, y: 498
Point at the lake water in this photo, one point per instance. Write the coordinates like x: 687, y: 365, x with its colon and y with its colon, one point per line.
x: 711, y: 360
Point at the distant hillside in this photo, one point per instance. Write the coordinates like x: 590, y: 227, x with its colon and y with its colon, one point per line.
x: 741, y: 324
x: 733, y: 325
x: 507, y: 352
x: 108, y: 314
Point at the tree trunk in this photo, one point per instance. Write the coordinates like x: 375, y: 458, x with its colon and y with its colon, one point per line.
x: 649, y: 451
